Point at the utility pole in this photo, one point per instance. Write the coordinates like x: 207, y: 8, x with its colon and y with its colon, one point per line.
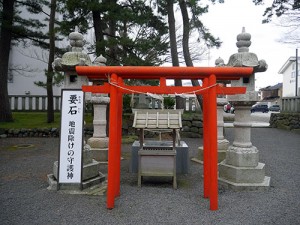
x: 296, y: 93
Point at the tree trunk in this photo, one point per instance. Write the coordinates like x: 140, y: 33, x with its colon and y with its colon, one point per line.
x: 173, y: 45
x: 112, y: 34
x: 5, y: 43
x: 185, y: 44
x: 50, y: 109
x: 100, y: 48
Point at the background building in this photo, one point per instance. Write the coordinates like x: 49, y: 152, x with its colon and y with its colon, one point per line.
x: 271, y: 94
x: 288, y: 70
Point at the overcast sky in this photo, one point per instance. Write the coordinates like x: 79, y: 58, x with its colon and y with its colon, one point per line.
x: 226, y: 21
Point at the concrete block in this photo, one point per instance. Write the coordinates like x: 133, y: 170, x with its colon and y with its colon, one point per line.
x: 98, y: 142
x: 221, y: 154
x: 52, y: 182
x: 100, y: 154
x: 243, y: 157
x: 223, y: 144
x: 242, y: 174
x: 264, y: 185
x: 89, y: 170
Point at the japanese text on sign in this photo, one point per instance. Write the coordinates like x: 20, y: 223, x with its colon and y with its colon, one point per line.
x: 71, y: 137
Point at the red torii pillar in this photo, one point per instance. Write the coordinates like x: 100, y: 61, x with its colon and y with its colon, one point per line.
x: 116, y: 88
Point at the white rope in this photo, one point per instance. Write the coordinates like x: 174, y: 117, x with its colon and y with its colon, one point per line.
x: 159, y: 96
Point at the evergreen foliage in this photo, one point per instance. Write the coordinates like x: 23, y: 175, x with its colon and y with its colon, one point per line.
x: 129, y: 34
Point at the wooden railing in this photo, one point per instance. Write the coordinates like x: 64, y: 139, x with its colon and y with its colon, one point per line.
x: 291, y: 104
x: 32, y: 102
x: 39, y: 103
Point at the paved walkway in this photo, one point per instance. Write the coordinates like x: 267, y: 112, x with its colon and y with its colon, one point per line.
x: 24, y: 198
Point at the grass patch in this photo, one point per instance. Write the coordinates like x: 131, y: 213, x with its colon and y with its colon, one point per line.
x: 129, y: 139
x: 29, y: 120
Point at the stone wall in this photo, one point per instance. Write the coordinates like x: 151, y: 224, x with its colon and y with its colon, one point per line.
x: 35, y: 132
x: 38, y: 132
x: 288, y: 121
x: 192, y: 127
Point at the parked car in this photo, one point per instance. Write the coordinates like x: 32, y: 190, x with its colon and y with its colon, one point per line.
x: 275, y: 108
x: 260, y: 108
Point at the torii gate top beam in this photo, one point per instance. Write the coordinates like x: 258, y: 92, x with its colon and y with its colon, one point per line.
x: 150, y: 72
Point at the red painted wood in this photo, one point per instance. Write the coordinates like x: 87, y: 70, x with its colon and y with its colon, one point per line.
x: 206, y: 167
x: 119, y: 138
x: 112, y: 153
x: 151, y: 72
x: 213, y: 147
x: 125, y: 89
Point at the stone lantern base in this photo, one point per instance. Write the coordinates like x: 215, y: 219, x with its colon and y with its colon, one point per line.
x: 222, y: 148
x: 222, y: 143
x: 241, y: 169
x: 99, y: 148
x: 91, y: 174
x: 243, y: 178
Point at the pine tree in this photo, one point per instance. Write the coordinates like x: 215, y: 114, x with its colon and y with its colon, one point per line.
x: 19, y: 31
x: 5, y: 42
x: 195, y: 24
x: 126, y: 32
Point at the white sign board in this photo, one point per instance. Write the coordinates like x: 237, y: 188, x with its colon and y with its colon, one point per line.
x: 70, y: 155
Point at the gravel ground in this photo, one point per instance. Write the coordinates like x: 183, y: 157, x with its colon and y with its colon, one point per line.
x: 24, y: 198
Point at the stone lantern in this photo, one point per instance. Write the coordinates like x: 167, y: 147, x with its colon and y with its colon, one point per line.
x: 241, y: 168
x: 67, y: 64
x: 223, y: 143
x: 99, y: 141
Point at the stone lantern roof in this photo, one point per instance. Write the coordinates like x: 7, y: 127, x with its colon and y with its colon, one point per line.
x: 219, y: 62
x: 75, y: 57
x: 244, y: 58
x: 100, y: 61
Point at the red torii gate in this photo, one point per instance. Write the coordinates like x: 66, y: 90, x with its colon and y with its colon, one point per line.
x: 209, y: 89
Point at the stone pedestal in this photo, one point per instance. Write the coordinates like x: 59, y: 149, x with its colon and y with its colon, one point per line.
x: 223, y: 143
x: 90, y: 173
x: 99, y: 141
x: 241, y: 170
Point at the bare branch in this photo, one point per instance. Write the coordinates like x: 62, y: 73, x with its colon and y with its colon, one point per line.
x: 40, y: 56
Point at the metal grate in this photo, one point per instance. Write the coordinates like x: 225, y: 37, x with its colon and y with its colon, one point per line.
x: 157, y: 148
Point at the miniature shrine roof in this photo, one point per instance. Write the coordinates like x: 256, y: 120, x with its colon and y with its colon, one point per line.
x: 157, y: 119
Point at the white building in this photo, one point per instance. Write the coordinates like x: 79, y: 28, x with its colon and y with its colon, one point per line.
x: 288, y: 70
x: 28, y: 65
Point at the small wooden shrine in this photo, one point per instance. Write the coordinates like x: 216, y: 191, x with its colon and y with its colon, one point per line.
x: 157, y: 159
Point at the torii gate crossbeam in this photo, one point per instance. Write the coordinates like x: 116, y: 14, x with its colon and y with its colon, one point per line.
x: 209, y: 89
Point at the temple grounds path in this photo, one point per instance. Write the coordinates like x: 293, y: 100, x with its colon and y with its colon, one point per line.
x: 24, y: 198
